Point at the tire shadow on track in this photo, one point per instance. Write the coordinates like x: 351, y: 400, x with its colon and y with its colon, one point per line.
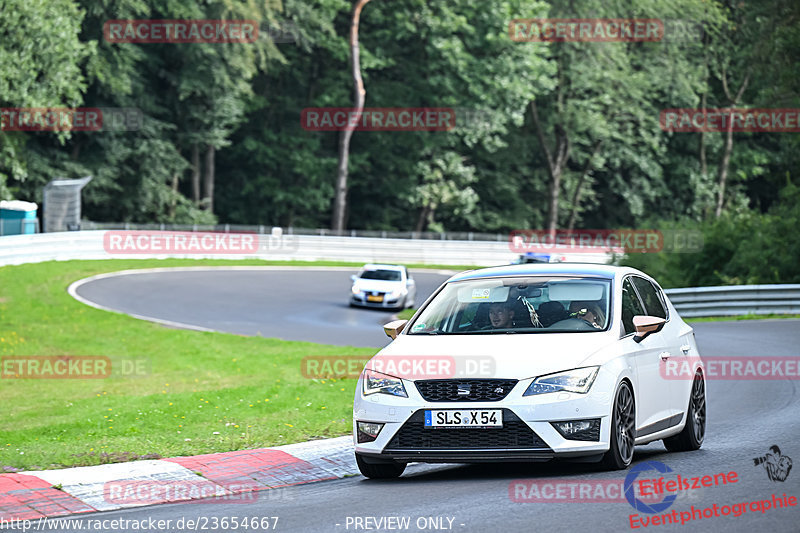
x: 510, y: 471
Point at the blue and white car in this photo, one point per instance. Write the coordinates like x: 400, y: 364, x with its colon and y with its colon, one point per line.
x: 383, y: 286
x: 531, y: 363
x: 538, y: 257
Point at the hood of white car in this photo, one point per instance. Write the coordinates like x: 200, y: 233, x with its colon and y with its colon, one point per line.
x: 378, y: 285
x: 507, y: 356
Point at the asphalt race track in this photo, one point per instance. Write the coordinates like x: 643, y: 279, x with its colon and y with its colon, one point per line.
x: 306, y: 304
x: 746, y: 417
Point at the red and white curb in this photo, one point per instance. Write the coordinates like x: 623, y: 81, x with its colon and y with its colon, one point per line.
x: 230, y: 476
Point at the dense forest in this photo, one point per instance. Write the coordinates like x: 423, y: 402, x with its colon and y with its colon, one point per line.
x: 561, y: 134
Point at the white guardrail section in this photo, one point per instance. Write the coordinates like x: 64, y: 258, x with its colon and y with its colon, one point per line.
x: 18, y: 249
x: 691, y: 302
x: 736, y: 300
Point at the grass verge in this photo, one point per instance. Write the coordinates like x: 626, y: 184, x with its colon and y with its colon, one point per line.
x: 201, y: 392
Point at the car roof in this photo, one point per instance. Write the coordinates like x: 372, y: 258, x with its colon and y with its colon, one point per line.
x: 553, y: 269
x: 377, y: 266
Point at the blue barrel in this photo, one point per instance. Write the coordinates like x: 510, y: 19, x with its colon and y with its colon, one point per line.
x: 17, y: 218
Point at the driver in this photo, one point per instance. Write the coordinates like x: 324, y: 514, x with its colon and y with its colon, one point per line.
x: 501, y: 315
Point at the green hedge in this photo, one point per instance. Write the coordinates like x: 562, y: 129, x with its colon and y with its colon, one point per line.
x: 738, y: 249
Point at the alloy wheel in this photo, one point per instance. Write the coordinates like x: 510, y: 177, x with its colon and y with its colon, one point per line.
x: 625, y: 424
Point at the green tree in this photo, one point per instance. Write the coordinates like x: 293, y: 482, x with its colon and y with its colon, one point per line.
x: 41, y: 59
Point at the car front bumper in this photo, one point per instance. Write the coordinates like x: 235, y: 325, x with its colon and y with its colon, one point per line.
x: 387, y: 303
x: 527, y: 433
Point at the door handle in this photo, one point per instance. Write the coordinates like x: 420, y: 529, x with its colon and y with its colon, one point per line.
x: 685, y: 348
x: 664, y: 355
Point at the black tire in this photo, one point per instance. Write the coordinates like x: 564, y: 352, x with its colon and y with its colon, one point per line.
x: 380, y: 470
x: 693, y: 433
x: 623, y: 430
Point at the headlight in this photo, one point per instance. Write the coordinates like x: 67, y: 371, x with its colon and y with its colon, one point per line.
x: 578, y: 380
x: 368, y: 431
x: 355, y: 289
x: 373, y: 382
x: 396, y: 293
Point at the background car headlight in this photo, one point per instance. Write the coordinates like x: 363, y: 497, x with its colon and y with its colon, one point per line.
x: 396, y: 293
x: 373, y: 382
x: 355, y: 289
x: 578, y: 380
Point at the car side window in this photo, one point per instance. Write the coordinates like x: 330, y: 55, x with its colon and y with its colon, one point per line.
x: 652, y: 303
x: 630, y: 306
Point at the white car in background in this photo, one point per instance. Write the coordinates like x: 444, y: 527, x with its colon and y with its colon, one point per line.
x: 384, y: 287
x: 548, y: 361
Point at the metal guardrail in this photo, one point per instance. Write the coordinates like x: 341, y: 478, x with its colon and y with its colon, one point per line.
x: 690, y: 302
x: 89, y: 245
x: 736, y: 300
x: 320, y: 232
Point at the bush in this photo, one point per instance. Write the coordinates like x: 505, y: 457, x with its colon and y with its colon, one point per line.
x: 738, y: 249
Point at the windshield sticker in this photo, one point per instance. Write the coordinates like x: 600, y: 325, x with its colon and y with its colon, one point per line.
x: 480, y: 294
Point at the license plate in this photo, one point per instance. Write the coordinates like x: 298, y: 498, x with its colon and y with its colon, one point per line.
x: 371, y: 298
x: 464, y: 418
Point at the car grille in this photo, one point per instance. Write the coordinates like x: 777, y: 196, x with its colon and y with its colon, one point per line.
x: 514, y: 434
x: 480, y: 390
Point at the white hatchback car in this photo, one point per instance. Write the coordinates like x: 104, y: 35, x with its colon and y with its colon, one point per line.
x: 383, y: 286
x: 530, y: 363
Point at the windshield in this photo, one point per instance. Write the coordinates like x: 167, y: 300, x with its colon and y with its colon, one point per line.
x: 535, y: 304
x: 383, y: 275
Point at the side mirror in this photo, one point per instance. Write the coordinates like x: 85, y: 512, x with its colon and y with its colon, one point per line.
x: 645, y: 325
x: 410, y: 282
x: 353, y: 277
x: 393, y: 329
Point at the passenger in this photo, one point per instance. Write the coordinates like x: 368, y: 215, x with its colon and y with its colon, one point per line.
x: 588, y: 311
